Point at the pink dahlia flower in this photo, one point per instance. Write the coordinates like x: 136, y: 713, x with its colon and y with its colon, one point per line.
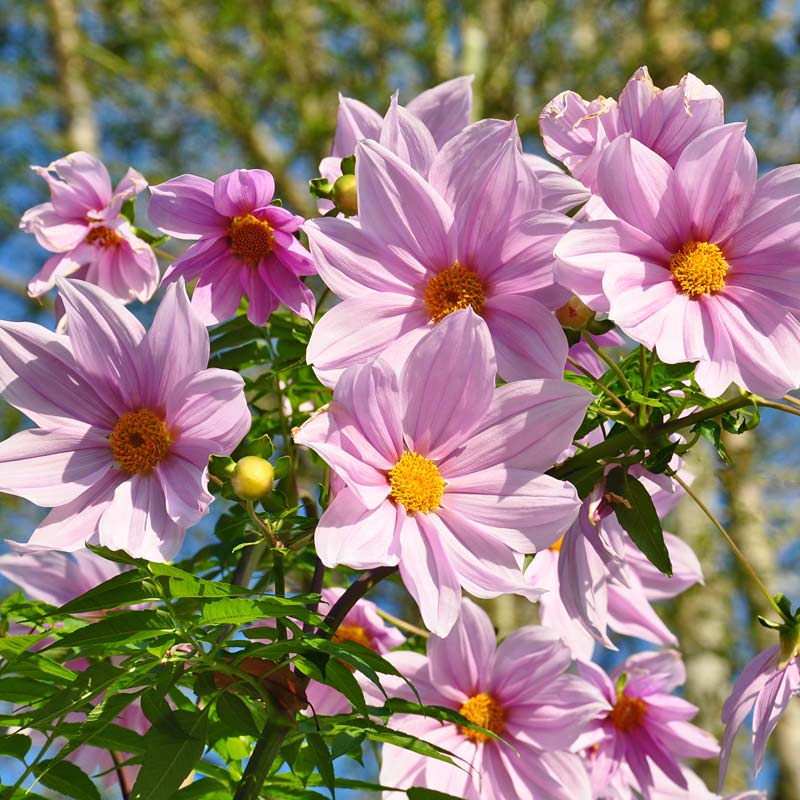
x: 83, y: 225
x: 127, y: 421
x: 246, y: 245
x: 518, y: 691
x: 646, y: 725
x: 473, y: 235
x: 698, y: 261
x: 443, y: 472
x: 362, y: 625
x: 560, y: 192
x: 576, y: 132
x: 765, y: 686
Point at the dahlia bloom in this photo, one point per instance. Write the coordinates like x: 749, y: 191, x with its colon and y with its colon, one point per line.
x: 560, y: 192
x: 363, y: 625
x: 443, y: 472
x: 697, y: 261
x: 766, y: 686
x: 576, y: 132
x: 646, y: 725
x: 127, y: 421
x: 517, y: 690
x: 246, y: 245
x: 83, y: 225
x: 473, y: 235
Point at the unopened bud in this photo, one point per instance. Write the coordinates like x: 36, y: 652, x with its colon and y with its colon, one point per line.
x: 574, y: 314
x: 344, y: 195
x: 252, y: 478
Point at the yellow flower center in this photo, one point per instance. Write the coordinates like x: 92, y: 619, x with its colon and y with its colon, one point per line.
x: 556, y: 546
x: 353, y: 633
x: 699, y: 268
x: 251, y: 238
x: 482, y: 709
x: 628, y: 713
x: 454, y: 288
x: 139, y: 441
x: 103, y: 237
x: 416, y: 483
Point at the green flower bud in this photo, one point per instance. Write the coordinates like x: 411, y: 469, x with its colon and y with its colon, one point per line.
x: 344, y: 195
x: 252, y: 478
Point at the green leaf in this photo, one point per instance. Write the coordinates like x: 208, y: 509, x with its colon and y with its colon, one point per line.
x: 172, y: 750
x: 15, y: 745
x: 128, y: 209
x: 154, y: 240
x: 122, y: 628
x: 204, y: 789
x: 233, y: 711
x: 283, y: 466
x: 322, y: 760
x: 421, y: 793
x: 321, y: 188
x: 712, y: 432
x: 66, y: 778
x: 184, y: 584
x: 128, y: 588
x: 236, y: 610
x: 349, y: 165
x: 637, y: 515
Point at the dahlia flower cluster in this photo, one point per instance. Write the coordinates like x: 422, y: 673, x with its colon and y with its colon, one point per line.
x: 487, y: 386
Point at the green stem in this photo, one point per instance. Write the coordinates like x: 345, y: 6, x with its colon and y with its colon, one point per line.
x: 737, y: 552
x: 264, y: 753
x: 779, y: 406
x: 607, y: 358
x: 602, y: 386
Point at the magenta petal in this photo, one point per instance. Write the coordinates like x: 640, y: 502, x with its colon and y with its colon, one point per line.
x: 350, y: 534
x: 354, y: 121
x: 407, y: 137
x: 445, y: 397
x: 428, y: 575
x: 84, y: 184
x: 401, y: 210
x: 178, y: 340
x: 217, y: 294
x: 445, y: 109
x: 52, y: 231
x: 260, y: 297
x: 288, y: 288
x: 184, y: 207
x: 136, y: 521
x: 51, y: 468
x: 200, y: 258
x: 528, y: 425
x: 239, y: 192
x: 105, y: 338
x: 528, y: 340
x: 209, y: 406
x: 460, y: 662
x: 39, y: 376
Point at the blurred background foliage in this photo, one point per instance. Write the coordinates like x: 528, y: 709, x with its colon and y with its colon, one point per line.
x: 172, y: 86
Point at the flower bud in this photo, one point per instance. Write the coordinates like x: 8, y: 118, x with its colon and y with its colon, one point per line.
x: 574, y: 314
x: 252, y: 478
x: 344, y: 195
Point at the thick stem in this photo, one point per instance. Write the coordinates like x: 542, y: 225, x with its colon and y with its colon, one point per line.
x: 352, y: 595
x: 264, y: 754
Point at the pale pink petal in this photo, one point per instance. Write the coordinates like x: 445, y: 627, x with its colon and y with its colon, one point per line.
x: 406, y: 136
x: 528, y: 425
x: 527, y: 338
x: 560, y: 192
x: 51, y: 468
x: 429, y: 575
x: 217, y: 294
x: 53, y: 231
x: 354, y: 121
x: 84, y: 184
x: 239, y: 192
x: 352, y: 264
x: 59, y: 265
x: 630, y: 614
x: 136, y: 521
x: 184, y: 208
x: 261, y: 301
x: 769, y: 707
x: 445, y: 109
x: 447, y: 384
x: 460, y: 662
x: 185, y: 490
x: 132, y: 183
x: 288, y: 288
x: 398, y: 208
x: 350, y: 534
x: 201, y: 258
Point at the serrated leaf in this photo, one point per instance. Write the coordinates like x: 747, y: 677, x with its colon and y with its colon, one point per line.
x: 126, y: 589
x: 238, y: 610
x: 638, y: 516
x: 66, y: 778
x: 171, y: 751
x: 122, y: 628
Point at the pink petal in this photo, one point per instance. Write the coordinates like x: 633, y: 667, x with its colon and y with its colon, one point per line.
x: 52, y: 231
x: 185, y: 490
x: 400, y: 209
x: 445, y: 109
x: 51, y: 468
x: 84, y: 184
x: 354, y: 121
x: 348, y: 533
x: 288, y: 288
x: 217, y: 294
x: 560, y: 192
x: 239, y: 192
x: 184, y: 208
x: 407, y: 137
x: 630, y: 614
x: 202, y: 258
x: 444, y: 397
x: 59, y: 265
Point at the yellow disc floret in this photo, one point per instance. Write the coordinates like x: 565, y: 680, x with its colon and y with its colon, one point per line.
x: 103, y: 237
x: 452, y: 289
x: 416, y: 483
x: 251, y: 238
x: 628, y: 713
x: 353, y: 633
x: 140, y: 441
x: 482, y: 709
x: 699, y: 268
